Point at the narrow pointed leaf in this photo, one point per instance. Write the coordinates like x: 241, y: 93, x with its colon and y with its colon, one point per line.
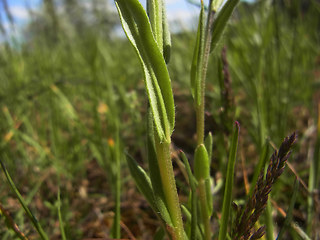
x: 221, y: 21
x: 154, y: 10
x: 158, y: 84
x: 189, y: 215
x: 208, y: 185
x: 208, y: 142
x: 197, y: 61
x: 229, y: 184
x: 166, y: 35
x: 142, y: 180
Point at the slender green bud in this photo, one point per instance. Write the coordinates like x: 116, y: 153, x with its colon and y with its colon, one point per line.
x: 201, y: 163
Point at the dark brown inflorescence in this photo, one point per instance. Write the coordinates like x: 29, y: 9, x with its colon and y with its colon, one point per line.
x: 243, y: 227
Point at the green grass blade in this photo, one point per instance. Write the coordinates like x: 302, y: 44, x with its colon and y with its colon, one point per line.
x: 61, y: 224
x: 194, y: 200
x: 33, y: 219
x: 145, y: 187
x: 158, y: 84
x: 221, y: 21
x: 117, y: 186
x: 288, y: 219
x: 227, y: 198
x: 269, y: 221
x: 160, y: 234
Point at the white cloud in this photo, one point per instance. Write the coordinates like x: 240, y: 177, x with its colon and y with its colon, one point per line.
x: 181, y: 15
x: 19, y: 12
x: 6, y: 26
x: 171, y: 1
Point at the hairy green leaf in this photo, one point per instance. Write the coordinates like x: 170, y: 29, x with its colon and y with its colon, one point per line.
x: 221, y: 21
x: 197, y: 61
x: 154, y: 10
x: 158, y: 84
x: 166, y: 35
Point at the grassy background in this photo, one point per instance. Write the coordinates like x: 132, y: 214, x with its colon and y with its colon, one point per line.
x: 72, y: 93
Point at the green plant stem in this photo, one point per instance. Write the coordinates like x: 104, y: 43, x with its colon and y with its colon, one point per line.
x: 117, y: 201
x: 204, y: 210
x: 169, y: 185
x: 117, y: 185
x: 200, y: 122
x: 269, y: 222
x: 200, y: 108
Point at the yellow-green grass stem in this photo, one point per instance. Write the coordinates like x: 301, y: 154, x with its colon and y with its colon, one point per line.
x: 169, y: 185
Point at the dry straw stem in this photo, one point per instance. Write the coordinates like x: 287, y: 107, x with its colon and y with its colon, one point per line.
x: 245, y: 220
x: 11, y: 224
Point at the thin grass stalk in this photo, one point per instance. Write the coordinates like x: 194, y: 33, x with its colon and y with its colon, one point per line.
x: 192, y: 184
x: 314, y: 171
x: 288, y: 219
x: 61, y: 223
x: 33, y: 219
x: 227, y: 198
x: 279, y: 92
x: 269, y: 222
x: 310, y: 196
x: 117, y: 191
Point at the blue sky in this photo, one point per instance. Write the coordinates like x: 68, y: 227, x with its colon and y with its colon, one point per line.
x: 176, y: 11
x: 176, y: 8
